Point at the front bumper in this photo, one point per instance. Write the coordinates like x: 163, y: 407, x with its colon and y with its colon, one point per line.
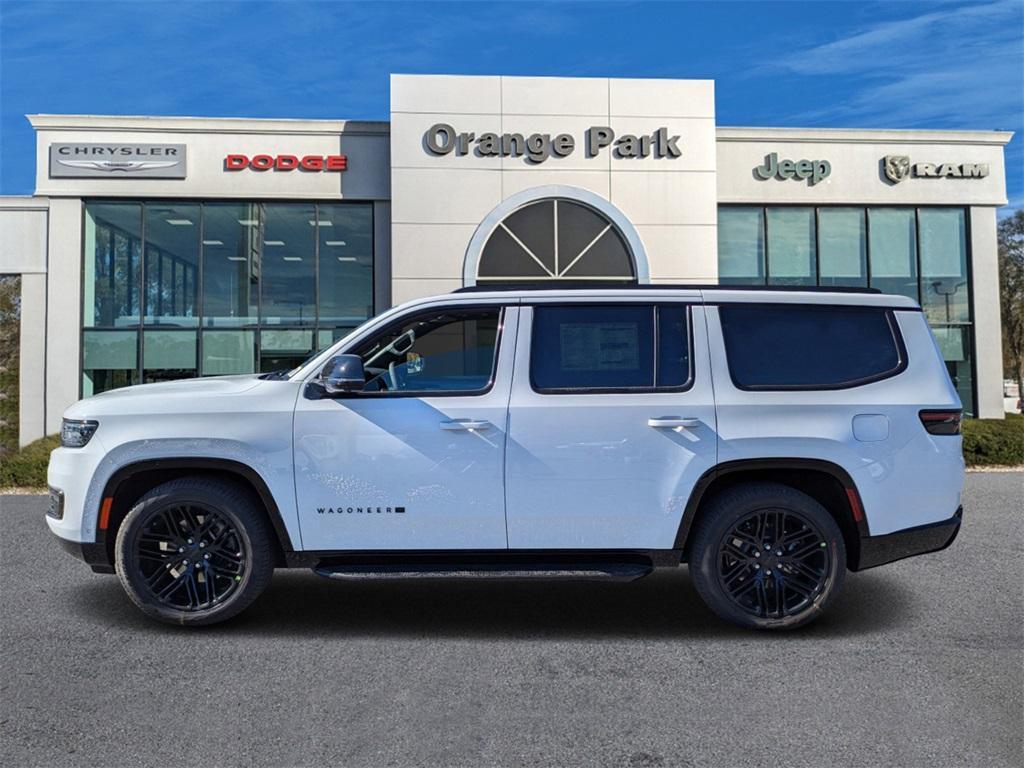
x: 93, y: 555
x: 879, y: 550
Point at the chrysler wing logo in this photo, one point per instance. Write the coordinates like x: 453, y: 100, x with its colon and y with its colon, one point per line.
x: 124, y: 166
x: 897, y: 168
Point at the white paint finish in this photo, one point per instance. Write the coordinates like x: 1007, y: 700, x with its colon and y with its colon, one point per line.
x: 588, y: 472
x: 64, y: 310
x: 988, y: 340
x: 911, y: 478
x: 405, y: 289
x: 252, y: 419
x: 438, y: 196
x: 696, y: 143
x: 555, y: 96
x: 554, y: 125
x: 410, y: 150
x: 515, y: 180
x: 870, y: 427
x: 22, y: 235
x: 451, y: 94
x: 677, y: 252
x: 665, y: 198
x: 32, y: 359
x: 392, y: 452
x: 428, y: 251
x: 857, y: 176
x: 674, y: 98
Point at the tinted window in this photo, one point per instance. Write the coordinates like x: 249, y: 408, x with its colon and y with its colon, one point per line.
x: 783, y: 347
x: 601, y: 348
x: 449, y: 351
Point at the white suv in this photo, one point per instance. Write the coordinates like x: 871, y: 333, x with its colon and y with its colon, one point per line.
x: 770, y: 439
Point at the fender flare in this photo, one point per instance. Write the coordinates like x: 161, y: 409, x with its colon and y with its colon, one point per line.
x: 746, y: 465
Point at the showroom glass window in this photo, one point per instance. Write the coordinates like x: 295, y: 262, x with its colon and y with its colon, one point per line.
x: 916, y: 252
x: 180, y: 289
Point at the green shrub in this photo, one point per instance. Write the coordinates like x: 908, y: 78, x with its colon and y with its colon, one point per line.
x: 989, y: 442
x: 27, y: 468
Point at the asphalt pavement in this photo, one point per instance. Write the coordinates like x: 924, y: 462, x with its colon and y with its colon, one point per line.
x: 920, y: 663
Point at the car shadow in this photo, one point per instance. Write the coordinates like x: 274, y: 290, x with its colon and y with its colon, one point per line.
x: 664, y: 605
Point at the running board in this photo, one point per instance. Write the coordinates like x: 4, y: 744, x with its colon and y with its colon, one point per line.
x: 516, y: 571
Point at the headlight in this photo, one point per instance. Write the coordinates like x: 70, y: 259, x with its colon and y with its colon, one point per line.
x: 75, y: 434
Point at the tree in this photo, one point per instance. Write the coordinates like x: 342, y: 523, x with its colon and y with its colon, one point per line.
x: 10, y: 311
x: 1011, y: 295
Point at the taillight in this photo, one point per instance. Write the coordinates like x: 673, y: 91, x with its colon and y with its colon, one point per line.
x: 941, y: 422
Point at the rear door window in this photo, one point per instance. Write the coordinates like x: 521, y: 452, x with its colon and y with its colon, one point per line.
x: 811, y: 346
x: 610, y: 348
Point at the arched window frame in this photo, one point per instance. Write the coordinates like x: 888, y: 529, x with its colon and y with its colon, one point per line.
x: 554, y: 191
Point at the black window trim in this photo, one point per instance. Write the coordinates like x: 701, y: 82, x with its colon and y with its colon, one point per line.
x: 653, y: 306
x: 901, y: 349
x: 314, y: 392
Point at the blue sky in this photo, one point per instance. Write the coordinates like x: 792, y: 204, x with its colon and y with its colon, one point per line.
x: 841, y: 64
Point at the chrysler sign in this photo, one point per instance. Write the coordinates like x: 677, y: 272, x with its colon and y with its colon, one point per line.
x: 151, y: 161
x: 443, y: 139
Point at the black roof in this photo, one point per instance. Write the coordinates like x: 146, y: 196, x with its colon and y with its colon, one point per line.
x: 592, y: 285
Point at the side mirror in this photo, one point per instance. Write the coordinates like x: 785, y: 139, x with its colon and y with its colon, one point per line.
x: 343, y: 373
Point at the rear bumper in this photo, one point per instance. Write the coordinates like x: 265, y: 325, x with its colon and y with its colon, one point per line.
x: 879, y: 550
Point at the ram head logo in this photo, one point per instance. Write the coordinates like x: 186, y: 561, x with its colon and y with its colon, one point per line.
x: 897, y: 167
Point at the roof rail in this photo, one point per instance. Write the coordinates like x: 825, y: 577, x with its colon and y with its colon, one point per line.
x: 562, y: 285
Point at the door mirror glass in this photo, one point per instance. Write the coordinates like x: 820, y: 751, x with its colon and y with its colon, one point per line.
x: 342, y: 374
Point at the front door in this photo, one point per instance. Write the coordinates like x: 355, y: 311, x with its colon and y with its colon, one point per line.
x: 611, y: 423
x: 416, y: 459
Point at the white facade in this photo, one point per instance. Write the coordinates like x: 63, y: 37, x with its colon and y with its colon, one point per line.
x: 433, y: 211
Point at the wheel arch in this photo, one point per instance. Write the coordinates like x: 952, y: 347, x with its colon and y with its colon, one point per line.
x: 824, y: 481
x: 130, y: 481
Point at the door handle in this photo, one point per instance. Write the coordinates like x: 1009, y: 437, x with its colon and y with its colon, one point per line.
x: 666, y: 422
x: 464, y: 425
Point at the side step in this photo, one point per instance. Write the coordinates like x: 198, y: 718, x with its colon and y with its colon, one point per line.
x: 581, y: 571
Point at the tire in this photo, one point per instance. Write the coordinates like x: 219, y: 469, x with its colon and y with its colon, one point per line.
x: 194, y: 551
x: 749, y: 584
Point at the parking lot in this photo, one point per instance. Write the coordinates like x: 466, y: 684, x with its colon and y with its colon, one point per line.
x: 918, y: 663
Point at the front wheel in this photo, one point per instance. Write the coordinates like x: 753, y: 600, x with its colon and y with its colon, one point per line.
x: 194, y: 551
x: 767, y: 556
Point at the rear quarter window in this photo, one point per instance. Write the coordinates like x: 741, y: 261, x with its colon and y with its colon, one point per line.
x: 810, y: 347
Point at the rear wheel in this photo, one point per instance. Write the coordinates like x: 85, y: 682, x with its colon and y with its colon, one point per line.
x: 767, y: 556
x: 194, y: 551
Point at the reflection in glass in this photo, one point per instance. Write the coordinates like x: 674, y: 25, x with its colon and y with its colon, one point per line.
x: 172, y: 264
x: 893, y: 250
x: 226, y: 352
x: 741, y: 246
x: 944, y: 264
x: 346, y: 264
x: 955, y: 345
x: 113, y: 242
x: 230, y: 264
x: 168, y: 355
x: 842, y: 247
x: 288, y: 265
x: 285, y: 349
x: 791, y: 246
x: 109, y: 360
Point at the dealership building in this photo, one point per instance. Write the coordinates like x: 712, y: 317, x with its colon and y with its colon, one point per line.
x: 159, y: 248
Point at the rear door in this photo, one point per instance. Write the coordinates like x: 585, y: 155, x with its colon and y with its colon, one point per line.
x: 611, y: 423
x: 416, y: 460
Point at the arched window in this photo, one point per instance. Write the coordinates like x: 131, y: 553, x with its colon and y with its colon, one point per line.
x: 556, y: 239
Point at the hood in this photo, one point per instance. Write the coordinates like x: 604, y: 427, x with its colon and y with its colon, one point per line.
x: 181, y: 391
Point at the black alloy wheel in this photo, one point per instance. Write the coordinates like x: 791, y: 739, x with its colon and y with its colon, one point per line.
x: 773, y: 563
x: 190, y: 556
x: 195, y: 550
x: 767, y: 556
